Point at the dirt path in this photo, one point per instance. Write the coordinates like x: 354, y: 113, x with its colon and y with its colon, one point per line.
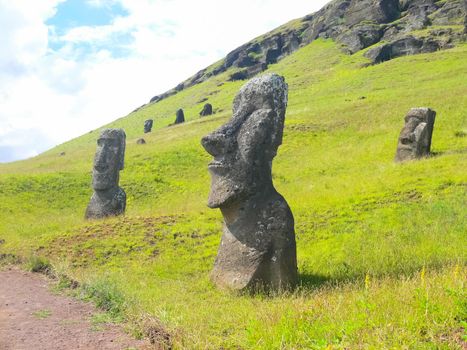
x: 32, y: 318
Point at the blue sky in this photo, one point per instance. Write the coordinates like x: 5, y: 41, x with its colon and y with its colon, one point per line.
x: 78, y: 13
x: 70, y: 66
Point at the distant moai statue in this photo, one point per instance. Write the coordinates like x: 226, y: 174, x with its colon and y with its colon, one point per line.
x: 258, y: 249
x: 108, y: 198
x: 180, y: 117
x: 148, y: 126
x: 415, y: 138
x: 207, y: 110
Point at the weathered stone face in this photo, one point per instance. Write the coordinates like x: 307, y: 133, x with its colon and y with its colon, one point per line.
x: 415, y: 137
x: 109, y: 158
x: 108, y: 199
x: 258, y: 244
x: 244, y: 147
x: 148, y: 126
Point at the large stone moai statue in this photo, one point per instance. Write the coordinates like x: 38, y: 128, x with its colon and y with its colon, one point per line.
x: 179, y: 117
x: 207, y: 110
x: 258, y: 249
x: 415, y: 137
x: 148, y: 125
x: 108, y: 198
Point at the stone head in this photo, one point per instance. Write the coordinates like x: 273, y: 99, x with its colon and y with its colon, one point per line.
x: 109, y: 159
x: 244, y: 147
x: 148, y: 125
x: 415, y: 137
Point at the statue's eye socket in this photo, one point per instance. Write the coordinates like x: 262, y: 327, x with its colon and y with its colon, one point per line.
x: 113, y: 143
x: 108, y: 142
x: 406, y: 140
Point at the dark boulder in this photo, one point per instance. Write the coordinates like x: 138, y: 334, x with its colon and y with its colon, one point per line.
x: 179, y: 117
x: 207, y: 110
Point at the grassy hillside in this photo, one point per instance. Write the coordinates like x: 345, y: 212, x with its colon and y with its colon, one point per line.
x: 381, y: 246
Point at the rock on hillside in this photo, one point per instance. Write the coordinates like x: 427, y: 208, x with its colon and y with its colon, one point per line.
x: 356, y: 24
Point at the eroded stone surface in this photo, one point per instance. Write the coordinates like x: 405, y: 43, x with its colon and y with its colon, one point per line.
x: 415, y: 137
x: 258, y: 248
x: 108, y: 198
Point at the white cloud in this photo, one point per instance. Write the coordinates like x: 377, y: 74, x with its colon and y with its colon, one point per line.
x: 82, y: 84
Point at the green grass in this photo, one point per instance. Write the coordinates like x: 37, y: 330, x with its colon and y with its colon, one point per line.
x: 359, y: 216
x: 42, y: 314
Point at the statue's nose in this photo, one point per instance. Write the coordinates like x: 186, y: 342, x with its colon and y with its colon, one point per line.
x: 100, y: 157
x: 214, y: 143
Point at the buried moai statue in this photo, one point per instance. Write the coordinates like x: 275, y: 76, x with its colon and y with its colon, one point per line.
x: 108, y: 198
x: 415, y: 137
x: 207, y: 110
x: 148, y: 126
x: 258, y: 249
x: 179, y: 117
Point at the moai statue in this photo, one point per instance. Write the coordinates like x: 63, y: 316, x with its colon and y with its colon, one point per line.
x: 108, y: 198
x: 415, y: 137
x: 258, y: 249
x: 148, y: 126
x: 180, y: 117
x: 207, y: 110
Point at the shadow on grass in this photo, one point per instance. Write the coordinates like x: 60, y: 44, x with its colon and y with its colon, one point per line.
x: 435, y: 154
x: 313, y: 282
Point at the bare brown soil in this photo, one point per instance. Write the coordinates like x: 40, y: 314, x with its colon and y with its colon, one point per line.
x: 33, y: 318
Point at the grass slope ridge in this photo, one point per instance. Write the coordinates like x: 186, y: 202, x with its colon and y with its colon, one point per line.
x: 381, y: 246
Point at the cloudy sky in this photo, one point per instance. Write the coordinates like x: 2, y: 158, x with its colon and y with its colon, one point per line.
x: 70, y: 66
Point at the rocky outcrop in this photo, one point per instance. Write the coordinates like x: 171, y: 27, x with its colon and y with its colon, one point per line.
x: 356, y: 24
x: 403, y: 47
x: 452, y: 12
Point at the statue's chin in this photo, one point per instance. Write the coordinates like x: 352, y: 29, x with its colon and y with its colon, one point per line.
x: 216, y: 201
x: 102, y: 182
x: 102, y: 186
